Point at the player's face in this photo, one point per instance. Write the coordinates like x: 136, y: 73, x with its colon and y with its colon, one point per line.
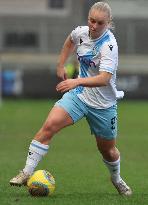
x: 97, y: 21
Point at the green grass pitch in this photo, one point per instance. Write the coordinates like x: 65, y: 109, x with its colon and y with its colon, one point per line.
x: 73, y: 159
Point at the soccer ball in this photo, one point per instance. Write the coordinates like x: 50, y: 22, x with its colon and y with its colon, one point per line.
x: 41, y: 183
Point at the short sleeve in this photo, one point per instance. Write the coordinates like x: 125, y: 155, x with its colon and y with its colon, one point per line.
x: 109, y: 57
x: 74, y: 34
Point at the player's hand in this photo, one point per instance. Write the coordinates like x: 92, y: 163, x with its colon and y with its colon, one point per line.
x: 61, y: 73
x: 67, y: 85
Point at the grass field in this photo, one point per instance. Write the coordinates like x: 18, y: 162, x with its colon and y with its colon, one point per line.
x: 73, y: 159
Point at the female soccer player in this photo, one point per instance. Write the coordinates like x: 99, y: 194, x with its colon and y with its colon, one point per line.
x: 92, y: 95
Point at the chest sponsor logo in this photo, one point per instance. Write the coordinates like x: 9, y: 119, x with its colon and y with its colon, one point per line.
x: 86, y: 60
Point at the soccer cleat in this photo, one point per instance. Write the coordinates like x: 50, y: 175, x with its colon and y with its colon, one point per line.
x: 122, y: 188
x: 20, y: 179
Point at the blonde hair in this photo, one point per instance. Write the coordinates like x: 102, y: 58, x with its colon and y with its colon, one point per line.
x: 103, y: 6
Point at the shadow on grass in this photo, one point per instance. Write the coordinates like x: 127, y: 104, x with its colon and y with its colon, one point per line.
x: 85, y: 195
x: 103, y: 198
x: 22, y: 197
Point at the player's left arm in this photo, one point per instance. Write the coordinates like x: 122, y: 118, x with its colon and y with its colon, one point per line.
x: 102, y: 79
x: 107, y: 66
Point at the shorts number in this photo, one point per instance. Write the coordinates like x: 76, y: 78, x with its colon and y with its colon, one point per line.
x: 113, y: 121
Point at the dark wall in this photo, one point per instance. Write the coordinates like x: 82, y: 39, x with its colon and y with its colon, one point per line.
x: 41, y: 83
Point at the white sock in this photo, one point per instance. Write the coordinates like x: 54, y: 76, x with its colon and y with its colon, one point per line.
x: 36, y: 151
x: 114, y: 168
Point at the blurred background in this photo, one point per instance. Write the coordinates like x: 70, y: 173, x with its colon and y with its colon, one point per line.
x: 32, y: 33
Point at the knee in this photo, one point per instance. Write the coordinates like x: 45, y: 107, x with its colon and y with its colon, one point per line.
x: 50, y: 128
x: 111, y: 154
x: 47, y: 131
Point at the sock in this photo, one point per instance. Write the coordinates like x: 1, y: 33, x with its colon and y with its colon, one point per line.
x: 114, y: 168
x: 36, y: 151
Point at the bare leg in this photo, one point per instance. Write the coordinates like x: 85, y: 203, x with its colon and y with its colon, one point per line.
x: 111, y: 158
x: 108, y: 149
x: 57, y: 119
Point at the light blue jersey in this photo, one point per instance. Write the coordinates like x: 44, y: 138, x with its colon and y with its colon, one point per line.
x: 95, y: 55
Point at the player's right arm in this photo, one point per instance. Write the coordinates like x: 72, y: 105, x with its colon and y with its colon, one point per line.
x: 67, y: 49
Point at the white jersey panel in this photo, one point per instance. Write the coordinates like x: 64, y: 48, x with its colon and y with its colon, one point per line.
x: 95, y: 55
